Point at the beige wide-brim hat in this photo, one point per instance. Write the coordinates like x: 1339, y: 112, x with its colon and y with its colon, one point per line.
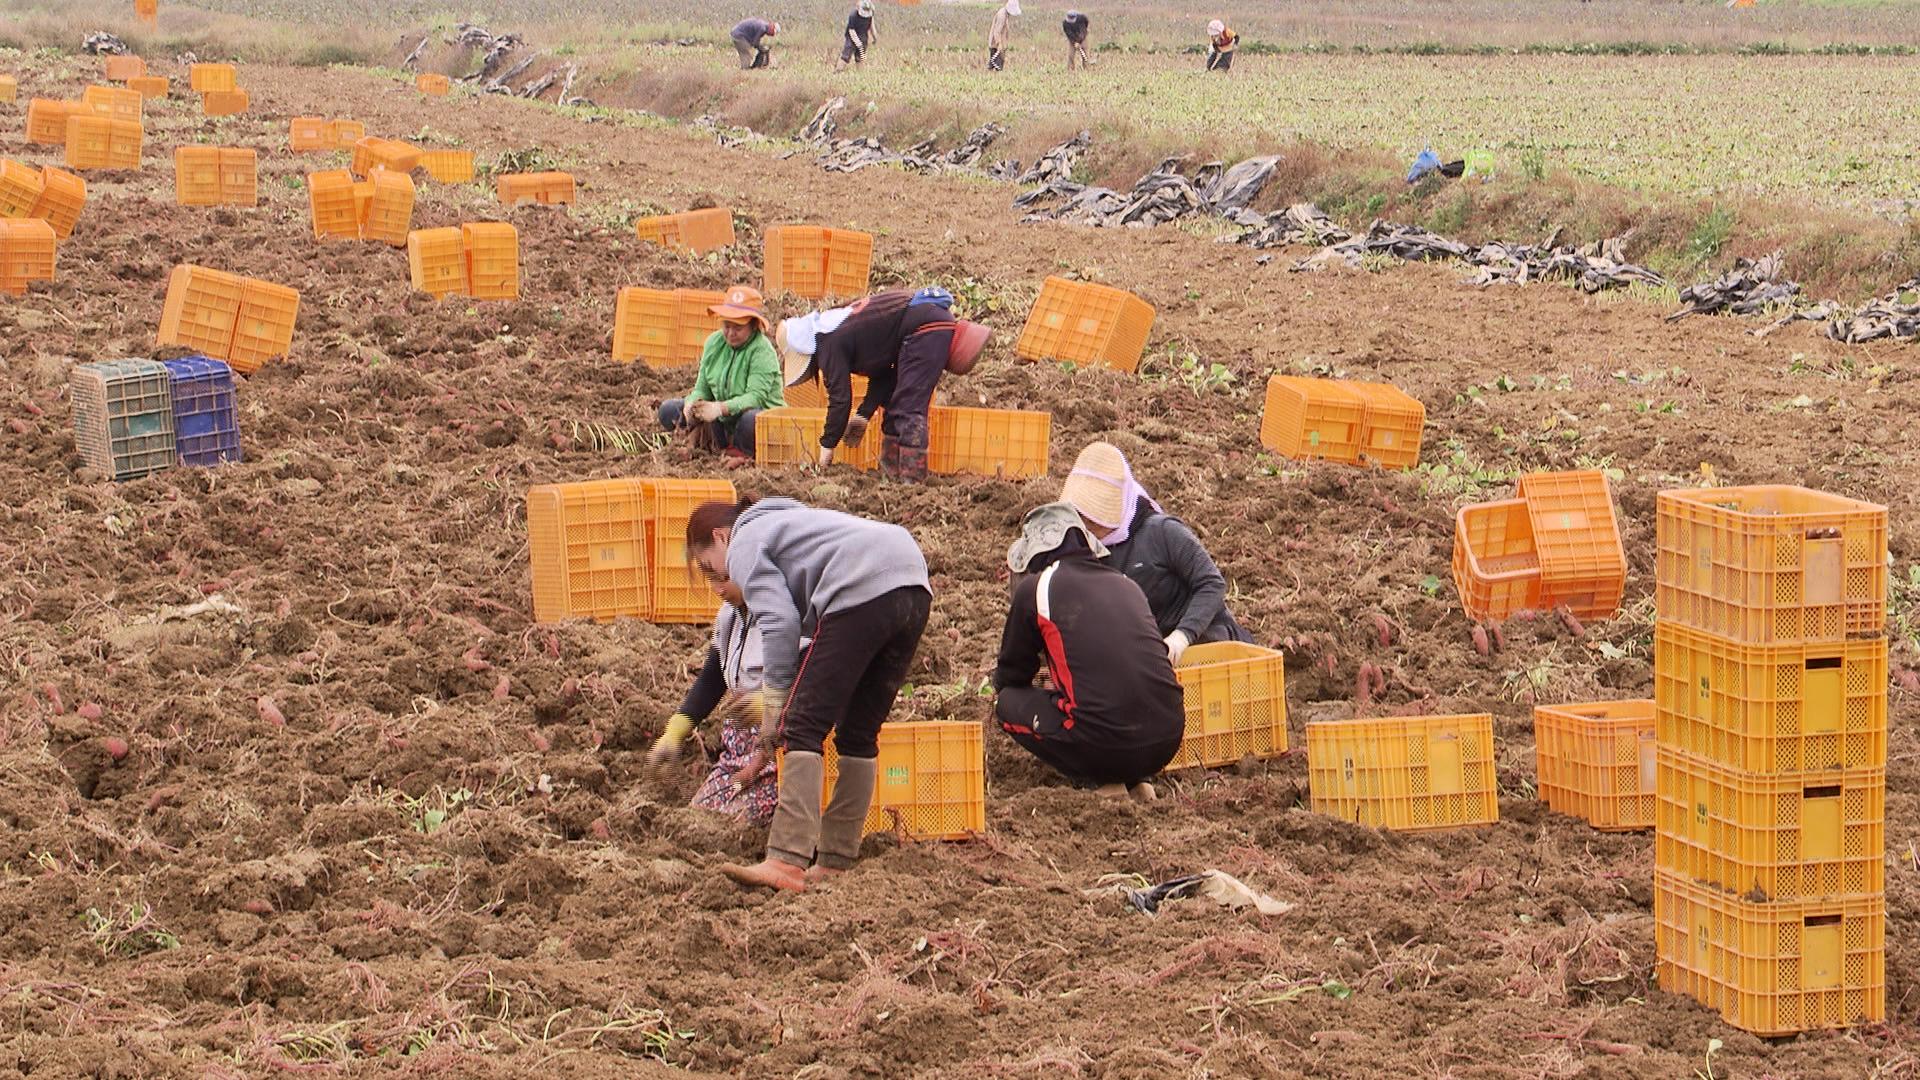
x: 1097, y: 485
x: 796, y: 367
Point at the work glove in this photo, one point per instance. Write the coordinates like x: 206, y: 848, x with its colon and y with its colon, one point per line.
x: 856, y: 430
x: 667, y: 747
x: 706, y: 412
x: 773, y: 706
x: 1177, y: 643
x: 825, y: 459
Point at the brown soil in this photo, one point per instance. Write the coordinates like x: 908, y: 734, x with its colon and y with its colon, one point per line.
x: 566, y: 919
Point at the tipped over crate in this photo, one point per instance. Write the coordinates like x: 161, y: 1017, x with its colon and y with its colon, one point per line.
x: 542, y: 189
x: 1422, y: 772
x: 122, y: 417
x: 1005, y: 443
x: 29, y: 252
x: 437, y: 261
x: 370, y: 154
x: 206, y: 428
x: 389, y: 214
x: 1595, y: 761
x: 695, y: 231
x: 224, y: 102
x: 680, y: 593
x: 47, y: 120
x: 20, y: 187
x: 433, y: 85
x: 1495, y: 566
x: 1079, y: 322
x: 493, y: 260
x: 790, y: 436
x: 816, y: 262
x: 123, y: 68
x: 9, y: 88
x: 63, y: 197
x: 1354, y: 423
x: 930, y: 780
x: 335, y: 210
x: 663, y: 327
x: 241, y: 320
x: 448, y: 166
x: 587, y: 543
x: 1576, y: 536
x: 151, y: 87
x: 1236, y: 704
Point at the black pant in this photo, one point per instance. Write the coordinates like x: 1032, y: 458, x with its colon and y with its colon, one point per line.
x: 996, y: 59
x: 1032, y: 717
x: 849, y: 676
x: 922, y: 360
x: 1220, y: 61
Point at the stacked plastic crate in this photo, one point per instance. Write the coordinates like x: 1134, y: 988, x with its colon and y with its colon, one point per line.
x: 1770, y: 694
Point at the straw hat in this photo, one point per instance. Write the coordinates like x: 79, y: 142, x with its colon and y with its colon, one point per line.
x: 796, y: 367
x: 743, y: 304
x: 969, y: 338
x: 1097, y: 485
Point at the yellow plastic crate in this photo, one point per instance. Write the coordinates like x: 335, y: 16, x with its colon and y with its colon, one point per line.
x: 680, y: 592
x: 663, y: 327
x: 790, y: 435
x: 9, y: 88
x: 812, y: 394
x: 1771, y: 709
x: 1006, y: 443
x: 1772, y: 565
x: 1595, y: 761
x: 587, y: 543
x: 1080, y: 322
x: 1495, y: 566
x: 930, y: 780
x: 1764, y: 838
x: 1422, y: 772
x: 1776, y: 968
x: 448, y: 166
x: 212, y: 78
x: 1236, y: 703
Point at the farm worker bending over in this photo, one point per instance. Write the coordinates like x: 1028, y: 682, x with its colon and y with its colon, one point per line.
x: 729, y: 684
x: 859, y: 35
x: 1115, y: 713
x: 1000, y: 34
x: 739, y: 376
x: 1183, y: 587
x: 1076, y: 27
x: 1222, y: 42
x: 750, y: 41
x: 859, y: 589
x: 902, y: 342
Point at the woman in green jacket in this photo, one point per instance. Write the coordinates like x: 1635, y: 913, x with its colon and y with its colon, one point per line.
x: 739, y: 376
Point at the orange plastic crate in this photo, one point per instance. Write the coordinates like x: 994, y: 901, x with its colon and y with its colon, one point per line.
x: 224, y: 102
x: 306, y: 133
x: 544, y: 189
x: 587, y: 543
x: 212, y: 78
x: 390, y: 213
x: 1308, y: 419
x: 202, y: 307
x: 816, y: 262
x: 196, y: 176
x: 20, y: 187
x: 680, y: 593
x: 335, y: 212
x: 1236, y: 703
x: 47, y: 120
x: 435, y: 85
x: 362, y: 203
x: 1772, y: 968
x: 115, y: 102
x: 343, y: 134
x: 239, y: 176
x: 1595, y: 761
x: 1004, y: 443
x: 1771, y: 709
x: 9, y: 88
x: 1790, y: 837
x: 437, y: 261
x: 147, y: 10
x: 1772, y: 565
x: 849, y: 262
x: 125, y: 141
x: 493, y: 260
x: 930, y: 780
x: 663, y: 328
x: 1495, y: 566
x: 29, y: 252
x: 697, y: 231
x: 89, y: 141
x: 790, y: 435
x: 122, y: 68
x: 63, y: 196
x: 373, y: 153
x: 1390, y: 435
x: 264, y: 328
x: 448, y: 166
x: 1577, y: 538
x: 812, y: 394
x: 152, y: 87
x: 1082, y: 323
x: 1422, y: 772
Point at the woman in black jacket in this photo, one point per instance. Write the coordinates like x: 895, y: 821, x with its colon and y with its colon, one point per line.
x: 1185, y: 590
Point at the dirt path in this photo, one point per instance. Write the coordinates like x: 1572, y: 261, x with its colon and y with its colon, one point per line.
x: 564, y: 919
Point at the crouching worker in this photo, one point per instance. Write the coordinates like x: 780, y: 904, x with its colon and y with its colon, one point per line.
x: 1115, y: 715
x: 739, y: 376
x: 902, y: 342
x: 1222, y: 43
x: 859, y: 589
x: 729, y: 684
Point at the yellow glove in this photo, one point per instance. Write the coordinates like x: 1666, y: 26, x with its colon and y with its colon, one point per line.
x: 667, y: 746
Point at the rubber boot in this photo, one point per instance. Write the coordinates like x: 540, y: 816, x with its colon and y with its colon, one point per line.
x: 845, y: 820
x: 899, y: 461
x: 795, y: 830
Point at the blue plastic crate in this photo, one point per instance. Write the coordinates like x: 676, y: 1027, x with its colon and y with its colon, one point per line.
x: 205, y: 425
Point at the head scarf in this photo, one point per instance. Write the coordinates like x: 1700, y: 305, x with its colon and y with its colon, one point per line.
x: 1131, y: 493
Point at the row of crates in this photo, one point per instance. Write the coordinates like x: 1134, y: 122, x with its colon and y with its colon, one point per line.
x: 216, y: 176
x: 1354, y: 423
x: 379, y: 208
x: 695, y: 231
x: 1006, y: 443
x: 540, y: 189
x: 478, y: 259
x: 1088, y: 324
x: 606, y: 549
x: 241, y: 320
x: 135, y: 417
x: 53, y: 195
x: 306, y: 134
x: 1555, y: 544
x: 29, y: 252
